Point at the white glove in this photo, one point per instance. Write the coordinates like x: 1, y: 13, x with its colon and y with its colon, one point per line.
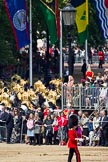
x: 80, y: 139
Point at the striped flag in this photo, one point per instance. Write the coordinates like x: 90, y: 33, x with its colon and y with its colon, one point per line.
x: 81, y: 18
x: 17, y: 15
x: 102, y: 12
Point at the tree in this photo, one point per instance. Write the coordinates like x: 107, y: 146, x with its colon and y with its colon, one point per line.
x: 7, y: 43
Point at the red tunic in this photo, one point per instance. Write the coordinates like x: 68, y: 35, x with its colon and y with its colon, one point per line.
x: 101, y: 55
x: 72, y: 134
x: 106, y: 3
x: 89, y: 74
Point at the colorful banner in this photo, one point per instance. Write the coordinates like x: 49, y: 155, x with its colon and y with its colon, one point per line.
x: 47, y: 7
x: 102, y: 12
x: 17, y: 14
x: 81, y: 18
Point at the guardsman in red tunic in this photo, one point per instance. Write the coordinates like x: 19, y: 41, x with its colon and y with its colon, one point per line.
x: 72, y: 138
x: 101, y: 57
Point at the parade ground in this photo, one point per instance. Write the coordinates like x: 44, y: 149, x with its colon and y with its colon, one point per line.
x: 50, y: 153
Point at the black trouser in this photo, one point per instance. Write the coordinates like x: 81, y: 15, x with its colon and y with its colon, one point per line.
x: 71, y: 153
x: 56, y: 141
x: 9, y: 133
x: 2, y: 133
x: 104, y: 138
x: 37, y: 139
x: 100, y: 63
x: 31, y: 140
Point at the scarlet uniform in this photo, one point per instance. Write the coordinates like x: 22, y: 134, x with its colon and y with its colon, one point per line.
x: 72, y: 144
x: 72, y: 134
x: 101, y: 58
x: 101, y: 55
x: 72, y: 138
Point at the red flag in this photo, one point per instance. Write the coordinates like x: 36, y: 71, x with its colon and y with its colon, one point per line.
x: 57, y: 13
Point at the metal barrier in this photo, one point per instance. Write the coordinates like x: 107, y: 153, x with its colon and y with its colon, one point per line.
x: 82, y: 98
x: 79, y: 59
x: 3, y: 131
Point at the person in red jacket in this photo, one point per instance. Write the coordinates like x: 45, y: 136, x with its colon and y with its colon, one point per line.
x: 72, y: 138
x: 62, y: 128
x: 101, y: 57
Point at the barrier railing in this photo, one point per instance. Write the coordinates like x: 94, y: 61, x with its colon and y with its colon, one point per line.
x: 79, y: 59
x: 85, y: 97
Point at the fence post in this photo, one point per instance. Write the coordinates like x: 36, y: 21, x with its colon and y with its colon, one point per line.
x: 80, y: 98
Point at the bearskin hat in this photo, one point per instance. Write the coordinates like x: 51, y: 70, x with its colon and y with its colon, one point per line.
x: 73, y: 120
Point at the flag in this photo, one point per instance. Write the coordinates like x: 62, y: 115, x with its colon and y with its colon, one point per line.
x: 81, y: 18
x: 102, y: 12
x: 17, y: 15
x: 47, y: 8
x: 57, y: 17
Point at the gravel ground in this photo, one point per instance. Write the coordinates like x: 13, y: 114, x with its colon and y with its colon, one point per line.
x: 27, y: 153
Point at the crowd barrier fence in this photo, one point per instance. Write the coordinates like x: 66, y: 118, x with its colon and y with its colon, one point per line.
x: 85, y: 98
x: 79, y: 59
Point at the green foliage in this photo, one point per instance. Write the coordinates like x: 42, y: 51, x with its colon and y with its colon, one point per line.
x: 7, y: 43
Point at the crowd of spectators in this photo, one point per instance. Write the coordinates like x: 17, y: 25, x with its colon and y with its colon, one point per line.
x: 33, y: 114
x: 39, y: 127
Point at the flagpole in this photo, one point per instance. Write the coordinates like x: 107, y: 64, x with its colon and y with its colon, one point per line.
x: 61, y: 60
x: 86, y: 41
x: 30, y: 52
x: 61, y: 54
x: 86, y: 51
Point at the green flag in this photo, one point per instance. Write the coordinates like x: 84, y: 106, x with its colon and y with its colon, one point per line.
x: 47, y: 8
x: 81, y: 18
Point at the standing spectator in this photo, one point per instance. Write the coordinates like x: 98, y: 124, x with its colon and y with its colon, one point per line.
x: 105, y: 78
x: 79, y: 116
x: 91, y: 132
x: 79, y: 133
x: 101, y: 57
x: 103, y: 129
x: 62, y: 128
x: 55, y: 130
x: 84, y: 68
x: 3, y: 119
x: 17, y: 125
x: 48, y: 129
x: 84, y: 121
x: 30, y: 128
x: 9, y: 125
x: 37, y: 128
x: 40, y: 113
x: 96, y: 120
